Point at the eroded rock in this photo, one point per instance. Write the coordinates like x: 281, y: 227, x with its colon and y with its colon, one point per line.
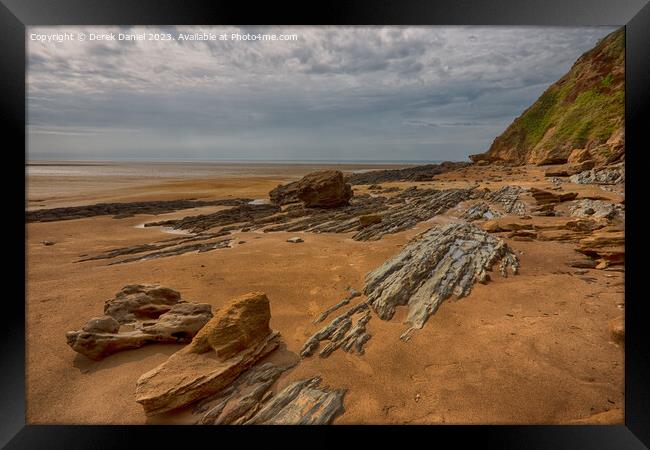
x: 153, y: 314
x: 230, y: 343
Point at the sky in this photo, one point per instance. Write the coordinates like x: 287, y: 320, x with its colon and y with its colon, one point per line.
x: 327, y: 94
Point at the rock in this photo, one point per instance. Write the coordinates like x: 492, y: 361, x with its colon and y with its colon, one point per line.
x: 352, y: 294
x: 124, y: 209
x: 617, y: 330
x: 103, y: 324
x: 607, y: 244
x: 480, y: 211
x: 508, y: 197
x: 444, y: 261
x: 48, y: 243
x: 154, y: 315
x: 301, y: 403
x: 239, y: 214
x: 324, y: 189
x: 597, y: 208
x: 230, y: 343
x: 416, y: 173
x: 579, y: 155
x: 295, y: 240
x: 545, y: 197
x: 347, y: 331
x: 606, y: 175
x: 141, y: 302
x: 556, y: 172
x: 369, y: 219
x: 285, y: 194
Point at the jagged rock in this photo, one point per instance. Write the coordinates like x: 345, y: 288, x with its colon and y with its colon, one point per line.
x: 239, y: 401
x: 324, y: 189
x: 352, y: 294
x: 506, y: 224
x: 607, y: 244
x: 480, y: 211
x: 231, y: 342
x: 605, y: 175
x: 284, y: 194
x: 154, y: 314
x: 301, y: 403
x: 444, y: 261
x: 508, y: 197
x: 417, y: 173
x: 246, y: 213
x: 124, y: 209
x: 48, y: 243
x: 295, y: 240
x: 597, y: 208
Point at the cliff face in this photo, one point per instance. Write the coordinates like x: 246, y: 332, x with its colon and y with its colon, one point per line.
x: 582, y: 110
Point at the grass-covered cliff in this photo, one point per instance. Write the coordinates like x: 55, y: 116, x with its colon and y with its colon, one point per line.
x: 583, y: 109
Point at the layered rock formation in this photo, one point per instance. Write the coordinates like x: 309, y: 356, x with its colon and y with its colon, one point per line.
x: 444, y: 261
x: 122, y: 210
x: 229, y: 344
x: 583, y: 110
x: 249, y: 401
x: 139, y: 315
x: 418, y: 173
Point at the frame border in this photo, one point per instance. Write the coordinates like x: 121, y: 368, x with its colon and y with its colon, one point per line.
x: 16, y: 15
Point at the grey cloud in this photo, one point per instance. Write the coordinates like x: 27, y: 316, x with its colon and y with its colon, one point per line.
x: 416, y: 93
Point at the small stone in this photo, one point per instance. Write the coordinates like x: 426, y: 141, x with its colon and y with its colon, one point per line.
x: 295, y: 240
x: 48, y: 243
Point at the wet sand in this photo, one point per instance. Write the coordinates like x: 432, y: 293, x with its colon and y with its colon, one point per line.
x: 531, y: 348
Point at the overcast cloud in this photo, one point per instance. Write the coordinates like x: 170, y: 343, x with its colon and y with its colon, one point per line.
x: 337, y: 93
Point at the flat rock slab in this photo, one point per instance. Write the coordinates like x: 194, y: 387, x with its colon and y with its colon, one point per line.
x: 233, y: 341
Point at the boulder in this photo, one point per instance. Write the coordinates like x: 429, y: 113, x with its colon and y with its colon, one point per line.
x: 324, y: 189
x: 152, y: 313
x: 284, y: 194
x: 229, y: 344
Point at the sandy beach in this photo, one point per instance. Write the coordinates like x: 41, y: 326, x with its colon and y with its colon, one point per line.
x: 533, y: 348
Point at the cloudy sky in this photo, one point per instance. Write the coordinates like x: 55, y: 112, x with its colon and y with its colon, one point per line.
x: 335, y: 93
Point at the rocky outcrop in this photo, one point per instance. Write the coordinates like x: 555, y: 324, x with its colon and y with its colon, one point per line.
x: 480, y: 211
x: 149, y: 314
x: 418, y: 173
x: 607, y: 176
x: 301, y: 403
x: 249, y: 401
x: 584, y: 109
x: 606, y: 244
x: 284, y: 194
x: 543, y: 197
x: 122, y: 210
x: 444, y: 261
x: 597, y: 208
x: 229, y: 344
x: 239, y: 214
